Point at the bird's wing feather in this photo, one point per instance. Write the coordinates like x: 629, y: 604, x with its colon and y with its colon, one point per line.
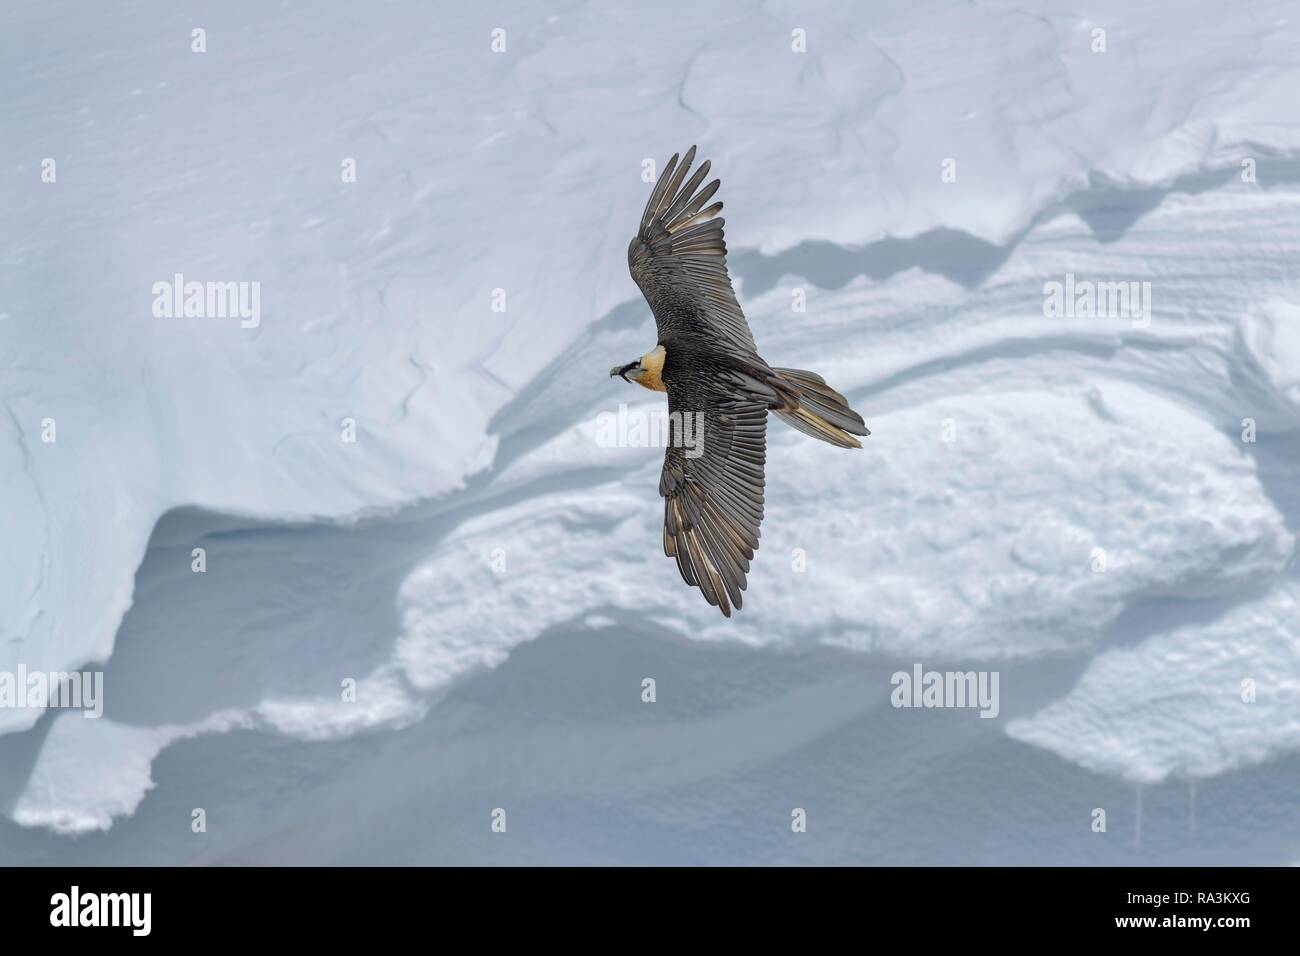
x: 713, y: 503
x: 679, y: 259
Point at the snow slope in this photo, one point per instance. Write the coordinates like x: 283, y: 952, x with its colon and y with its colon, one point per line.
x: 1008, y: 445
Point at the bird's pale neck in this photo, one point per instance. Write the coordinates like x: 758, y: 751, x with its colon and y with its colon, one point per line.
x: 652, y: 370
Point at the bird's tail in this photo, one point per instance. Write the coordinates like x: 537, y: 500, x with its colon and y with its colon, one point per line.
x: 819, y: 410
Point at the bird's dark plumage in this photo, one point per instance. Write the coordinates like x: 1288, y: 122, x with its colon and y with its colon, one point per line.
x: 710, y: 367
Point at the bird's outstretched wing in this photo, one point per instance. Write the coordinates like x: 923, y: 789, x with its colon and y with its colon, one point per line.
x: 713, y: 503
x: 679, y: 259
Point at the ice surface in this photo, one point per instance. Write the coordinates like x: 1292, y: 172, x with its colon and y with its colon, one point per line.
x: 522, y: 171
x: 982, y: 548
x: 1195, y: 702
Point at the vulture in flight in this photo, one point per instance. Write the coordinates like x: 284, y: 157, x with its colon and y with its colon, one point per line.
x: 716, y: 381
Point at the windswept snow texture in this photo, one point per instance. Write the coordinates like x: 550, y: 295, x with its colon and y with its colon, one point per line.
x: 460, y: 610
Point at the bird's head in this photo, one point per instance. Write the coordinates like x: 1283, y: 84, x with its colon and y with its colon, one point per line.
x: 647, y: 371
x: 623, y: 371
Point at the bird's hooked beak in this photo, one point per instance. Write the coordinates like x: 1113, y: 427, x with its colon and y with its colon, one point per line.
x: 622, y: 370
